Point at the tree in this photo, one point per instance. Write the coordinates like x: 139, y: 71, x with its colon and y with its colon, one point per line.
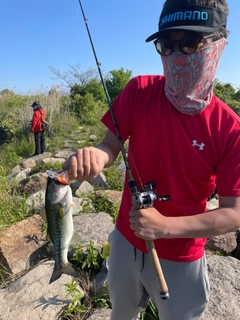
x: 237, y: 95
x: 117, y: 81
x: 74, y: 75
x: 224, y: 91
x: 93, y: 86
x: 86, y: 108
x: 228, y: 94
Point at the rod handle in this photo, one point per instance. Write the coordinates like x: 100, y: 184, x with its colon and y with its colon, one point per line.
x: 162, y: 286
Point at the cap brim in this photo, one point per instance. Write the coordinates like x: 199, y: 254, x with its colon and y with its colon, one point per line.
x: 188, y: 28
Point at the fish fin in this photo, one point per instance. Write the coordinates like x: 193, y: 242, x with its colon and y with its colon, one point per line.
x: 74, y: 209
x: 48, y: 237
x: 70, y: 270
x: 42, y: 213
x: 57, y: 272
x: 66, y: 269
x: 75, y: 237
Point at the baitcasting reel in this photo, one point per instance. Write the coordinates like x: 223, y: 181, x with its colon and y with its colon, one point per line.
x: 146, y: 197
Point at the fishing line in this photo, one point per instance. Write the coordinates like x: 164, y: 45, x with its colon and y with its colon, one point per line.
x: 107, y: 97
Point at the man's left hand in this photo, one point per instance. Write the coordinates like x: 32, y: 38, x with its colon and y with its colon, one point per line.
x: 148, y: 224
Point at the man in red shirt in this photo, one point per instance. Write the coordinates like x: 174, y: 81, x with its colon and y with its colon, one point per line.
x: 186, y: 140
x: 36, y: 127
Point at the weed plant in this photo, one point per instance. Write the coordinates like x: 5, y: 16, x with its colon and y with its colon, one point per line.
x: 87, y: 259
x: 95, y: 203
x: 13, y: 207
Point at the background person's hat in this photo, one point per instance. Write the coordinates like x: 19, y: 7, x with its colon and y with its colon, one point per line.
x: 190, y: 17
x: 34, y: 104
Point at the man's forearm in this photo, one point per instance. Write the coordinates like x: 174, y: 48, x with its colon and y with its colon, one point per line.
x: 110, y: 147
x: 205, y: 225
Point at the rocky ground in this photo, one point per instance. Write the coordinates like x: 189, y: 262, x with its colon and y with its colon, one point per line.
x: 26, y: 293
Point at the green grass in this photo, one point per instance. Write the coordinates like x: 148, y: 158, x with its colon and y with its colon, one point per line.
x: 13, y: 206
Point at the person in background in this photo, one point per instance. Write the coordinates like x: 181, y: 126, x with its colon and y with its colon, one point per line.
x: 36, y: 127
x: 186, y: 140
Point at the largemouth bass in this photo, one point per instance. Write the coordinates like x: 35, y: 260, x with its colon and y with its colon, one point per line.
x: 59, y: 210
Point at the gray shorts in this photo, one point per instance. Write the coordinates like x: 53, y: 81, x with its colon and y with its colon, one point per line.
x: 131, y: 282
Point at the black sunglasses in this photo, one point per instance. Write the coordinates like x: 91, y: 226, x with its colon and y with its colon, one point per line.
x: 188, y: 45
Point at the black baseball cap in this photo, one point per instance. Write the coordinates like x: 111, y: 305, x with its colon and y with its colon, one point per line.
x: 34, y: 104
x: 190, y: 17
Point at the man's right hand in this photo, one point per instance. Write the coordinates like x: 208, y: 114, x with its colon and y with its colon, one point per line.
x: 87, y: 163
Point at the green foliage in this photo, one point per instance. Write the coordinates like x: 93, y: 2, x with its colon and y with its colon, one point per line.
x: 6, y: 276
x: 151, y: 312
x: 99, y: 203
x: 40, y: 167
x: 228, y: 94
x: 87, y: 109
x: 93, y: 86
x: 76, y: 305
x: 13, y: 207
x: 117, y: 81
x: 9, y: 157
x: 83, y: 304
x: 10, y: 116
x: 237, y: 95
x: 113, y: 176
x: 89, y: 261
x: 87, y: 258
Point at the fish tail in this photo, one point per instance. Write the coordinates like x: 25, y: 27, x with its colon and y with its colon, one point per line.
x: 57, y: 272
x: 66, y: 269
x: 70, y: 270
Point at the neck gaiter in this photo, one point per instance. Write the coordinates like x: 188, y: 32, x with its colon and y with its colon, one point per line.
x: 190, y: 77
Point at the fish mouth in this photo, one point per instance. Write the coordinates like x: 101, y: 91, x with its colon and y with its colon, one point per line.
x: 59, y: 178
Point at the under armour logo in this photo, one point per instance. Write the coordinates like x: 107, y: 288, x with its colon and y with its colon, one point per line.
x: 195, y: 144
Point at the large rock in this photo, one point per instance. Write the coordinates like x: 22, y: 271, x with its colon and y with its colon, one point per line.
x: 224, y: 244
x: 101, y: 314
x: 21, y: 245
x: 94, y: 227
x: 34, y: 183
x: 79, y: 188
x: 31, y: 297
x: 224, y: 279
x: 21, y: 175
x: 28, y: 163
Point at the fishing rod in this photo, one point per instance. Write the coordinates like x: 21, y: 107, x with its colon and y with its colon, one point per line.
x: 140, y: 199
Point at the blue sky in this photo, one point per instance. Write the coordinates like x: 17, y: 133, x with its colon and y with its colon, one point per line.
x: 38, y: 34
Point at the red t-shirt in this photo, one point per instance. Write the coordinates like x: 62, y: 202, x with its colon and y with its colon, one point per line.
x: 185, y: 155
